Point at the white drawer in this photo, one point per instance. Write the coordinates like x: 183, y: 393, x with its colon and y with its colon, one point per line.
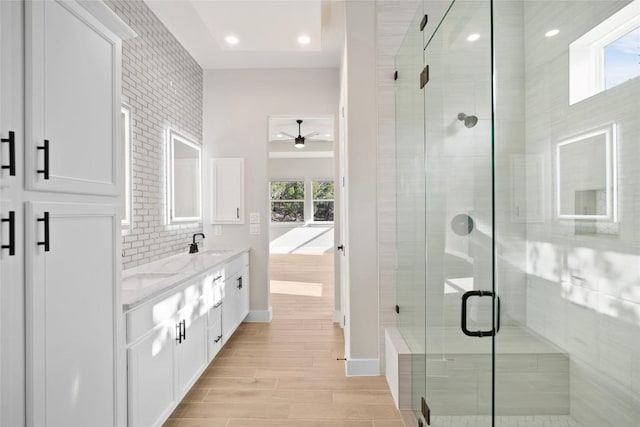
x: 235, y: 266
x: 214, y: 340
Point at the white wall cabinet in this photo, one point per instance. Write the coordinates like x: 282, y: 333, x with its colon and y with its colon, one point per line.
x: 227, y: 186
x: 174, y: 336
x: 12, y: 340
x: 72, y: 91
x: 60, y: 82
x: 73, y: 282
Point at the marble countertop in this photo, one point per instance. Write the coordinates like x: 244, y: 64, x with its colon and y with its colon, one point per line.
x: 143, y: 283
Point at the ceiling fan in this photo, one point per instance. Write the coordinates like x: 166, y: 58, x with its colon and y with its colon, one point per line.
x: 299, y: 140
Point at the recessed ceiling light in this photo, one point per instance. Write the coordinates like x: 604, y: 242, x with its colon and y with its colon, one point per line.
x: 552, y: 33
x: 327, y: 135
x: 231, y: 39
x: 473, y: 37
x: 304, y: 40
x: 279, y: 135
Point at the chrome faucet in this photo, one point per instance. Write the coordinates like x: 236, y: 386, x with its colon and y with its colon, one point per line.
x: 193, y: 247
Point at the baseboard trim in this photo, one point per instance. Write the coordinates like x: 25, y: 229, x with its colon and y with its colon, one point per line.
x: 363, y: 367
x: 259, y: 316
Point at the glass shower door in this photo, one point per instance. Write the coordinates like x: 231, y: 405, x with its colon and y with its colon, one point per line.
x: 410, y: 206
x: 459, y: 219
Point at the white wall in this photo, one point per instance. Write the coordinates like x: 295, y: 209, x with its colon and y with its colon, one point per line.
x: 362, y: 349
x: 237, y: 104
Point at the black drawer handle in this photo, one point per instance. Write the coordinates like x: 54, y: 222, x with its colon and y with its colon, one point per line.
x: 184, y: 330
x: 12, y: 233
x: 45, y: 147
x: 217, y: 340
x: 217, y: 278
x: 218, y: 304
x: 46, y: 232
x: 240, y: 282
x: 463, y: 323
x: 179, y: 332
x: 12, y: 153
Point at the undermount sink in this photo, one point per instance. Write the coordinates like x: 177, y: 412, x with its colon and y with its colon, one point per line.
x: 143, y: 280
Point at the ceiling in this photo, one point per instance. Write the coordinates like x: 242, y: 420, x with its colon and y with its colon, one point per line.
x: 267, y: 31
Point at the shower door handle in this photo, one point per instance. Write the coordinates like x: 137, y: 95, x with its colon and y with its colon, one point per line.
x: 463, y: 323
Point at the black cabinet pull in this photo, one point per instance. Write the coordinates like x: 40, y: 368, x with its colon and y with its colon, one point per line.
x: 46, y: 232
x: 217, y: 340
x: 238, y: 213
x: 463, y: 323
x: 179, y: 332
x: 340, y: 248
x: 12, y: 153
x: 12, y: 233
x: 45, y: 147
x: 183, y: 334
x: 218, y: 304
x: 240, y: 282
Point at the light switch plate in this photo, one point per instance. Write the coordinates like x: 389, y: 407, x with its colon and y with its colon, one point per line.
x: 254, y: 218
x: 254, y: 228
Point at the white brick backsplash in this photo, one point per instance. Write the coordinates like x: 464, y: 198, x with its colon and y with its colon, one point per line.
x: 162, y: 84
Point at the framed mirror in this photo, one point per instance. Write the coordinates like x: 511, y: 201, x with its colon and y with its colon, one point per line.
x: 184, y: 178
x: 586, y: 176
x: 125, y: 141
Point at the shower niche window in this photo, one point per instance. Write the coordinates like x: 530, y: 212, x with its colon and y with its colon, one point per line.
x: 586, y: 176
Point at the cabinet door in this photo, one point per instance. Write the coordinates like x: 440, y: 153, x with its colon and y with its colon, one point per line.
x: 75, y: 356
x: 11, y: 95
x: 151, y: 385
x: 12, y: 357
x: 72, y: 100
x: 191, y: 354
x: 227, y: 200
x: 243, y: 298
x: 230, y: 307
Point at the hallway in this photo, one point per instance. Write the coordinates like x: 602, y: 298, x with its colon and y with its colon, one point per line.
x: 285, y: 373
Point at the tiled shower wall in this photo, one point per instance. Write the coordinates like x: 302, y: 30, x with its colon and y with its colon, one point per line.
x: 162, y: 84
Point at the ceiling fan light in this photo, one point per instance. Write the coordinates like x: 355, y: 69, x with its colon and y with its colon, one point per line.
x: 299, y: 143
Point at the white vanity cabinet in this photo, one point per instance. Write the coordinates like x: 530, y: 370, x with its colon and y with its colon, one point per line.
x: 173, y: 335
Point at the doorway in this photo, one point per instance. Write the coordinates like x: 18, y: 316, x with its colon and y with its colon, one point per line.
x: 302, y: 201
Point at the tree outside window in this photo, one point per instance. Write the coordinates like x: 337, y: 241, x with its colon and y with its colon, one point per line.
x: 322, y: 200
x: 287, y: 201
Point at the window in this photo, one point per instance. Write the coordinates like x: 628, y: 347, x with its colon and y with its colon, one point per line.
x: 287, y: 201
x: 300, y: 201
x: 622, y: 59
x: 322, y: 201
x: 607, y: 55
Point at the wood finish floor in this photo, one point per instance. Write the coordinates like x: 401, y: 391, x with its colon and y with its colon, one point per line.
x: 285, y: 373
